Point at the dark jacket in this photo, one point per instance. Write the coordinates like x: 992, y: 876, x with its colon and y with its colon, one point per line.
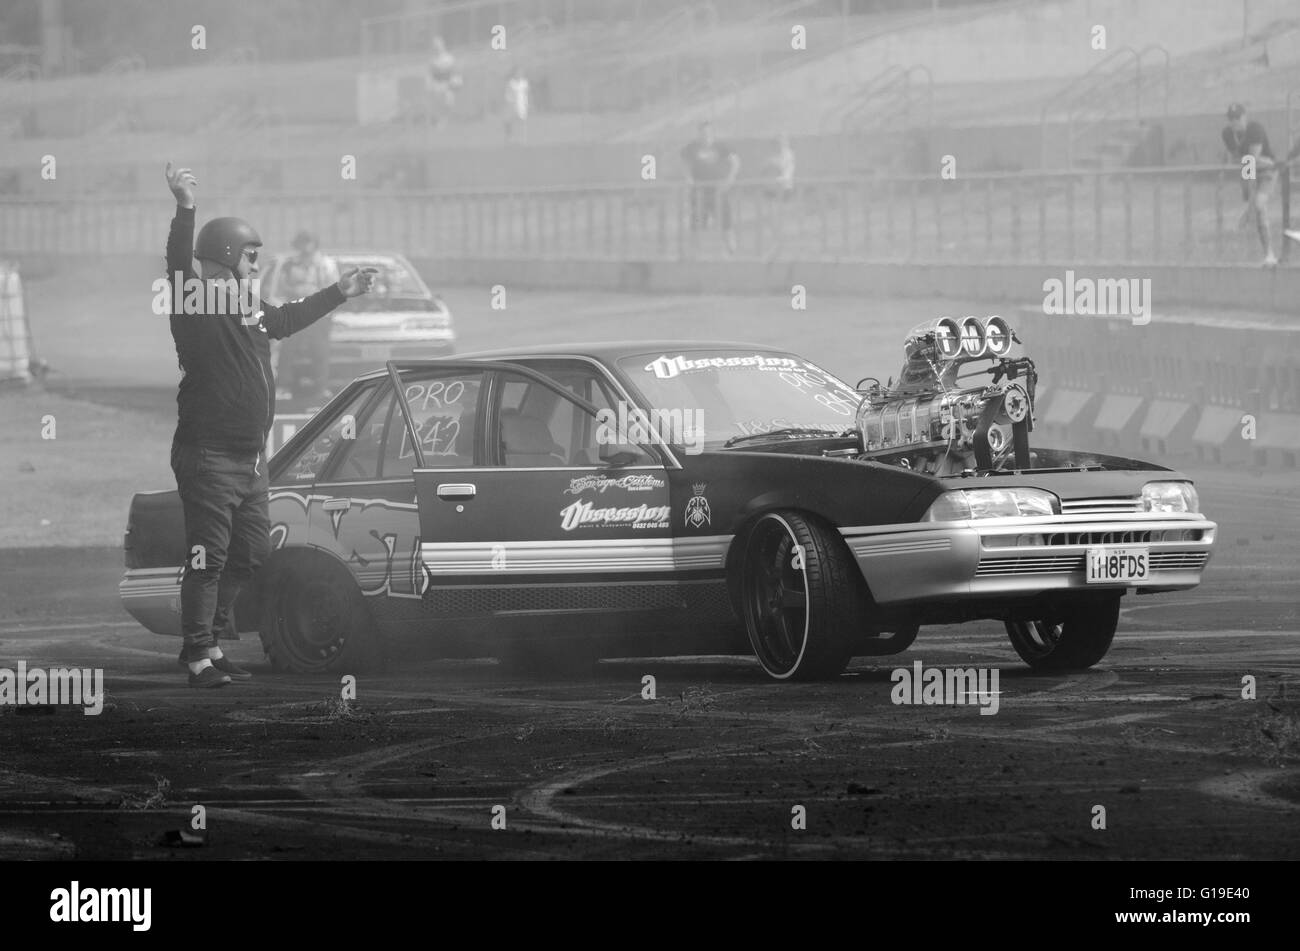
x: 227, y: 393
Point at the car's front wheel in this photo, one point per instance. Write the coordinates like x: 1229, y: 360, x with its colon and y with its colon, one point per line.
x: 1073, y: 637
x: 315, y: 619
x: 800, y: 600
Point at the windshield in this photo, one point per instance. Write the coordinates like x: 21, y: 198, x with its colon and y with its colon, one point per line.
x: 728, y: 394
x: 396, y: 286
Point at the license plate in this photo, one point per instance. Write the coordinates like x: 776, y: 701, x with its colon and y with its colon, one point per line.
x: 1117, y: 565
x: 377, y: 352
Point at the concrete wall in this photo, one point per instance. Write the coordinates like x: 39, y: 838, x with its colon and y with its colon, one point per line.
x: 1031, y: 40
x: 1229, y: 288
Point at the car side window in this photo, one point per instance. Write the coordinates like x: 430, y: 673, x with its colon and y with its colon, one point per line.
x: 536, y: 427
x: 310, y: 462
x: 357, y: 458
x: 443, y: 408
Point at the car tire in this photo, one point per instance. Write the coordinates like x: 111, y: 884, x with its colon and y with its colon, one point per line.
x: 1075, y: 637
x: 802, y: 621
x: 315, y: 620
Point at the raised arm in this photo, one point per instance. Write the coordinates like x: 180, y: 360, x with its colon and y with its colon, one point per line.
x: 180, y: 239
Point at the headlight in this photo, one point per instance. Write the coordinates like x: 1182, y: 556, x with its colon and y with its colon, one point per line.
x: 1170, y: 497
x: 992, y: 503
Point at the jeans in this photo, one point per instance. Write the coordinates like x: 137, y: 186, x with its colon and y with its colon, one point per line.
x: 227, y: 536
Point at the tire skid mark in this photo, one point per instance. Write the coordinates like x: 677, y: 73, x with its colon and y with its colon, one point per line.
x: 1245, y: 787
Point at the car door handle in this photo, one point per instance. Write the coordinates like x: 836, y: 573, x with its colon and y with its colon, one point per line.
x: 336, y: 505
x: 456, y: 491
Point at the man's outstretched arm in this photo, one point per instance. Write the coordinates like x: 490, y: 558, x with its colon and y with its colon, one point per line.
x: 289, y: 318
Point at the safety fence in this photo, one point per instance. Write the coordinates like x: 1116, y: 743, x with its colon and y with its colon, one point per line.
x: 1228, y: 391
x: 1184, y: 215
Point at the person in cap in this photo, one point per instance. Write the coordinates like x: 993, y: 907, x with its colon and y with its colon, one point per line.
x: 307, y: 272
x: 1243, y: 136
x: 226, y: 404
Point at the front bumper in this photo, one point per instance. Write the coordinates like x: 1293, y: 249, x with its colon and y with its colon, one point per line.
x: 994, y: 558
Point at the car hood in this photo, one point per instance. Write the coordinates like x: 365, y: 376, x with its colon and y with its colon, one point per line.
x: 1070, y: 474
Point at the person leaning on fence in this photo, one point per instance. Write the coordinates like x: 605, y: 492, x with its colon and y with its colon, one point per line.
x: 711, y: 168
x: 226, y: 404
x: 1243, y: 136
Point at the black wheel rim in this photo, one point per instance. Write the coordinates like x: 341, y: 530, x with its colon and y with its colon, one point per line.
x: 1035, y: 639
x: 776, y: 598
x: 313, y: 624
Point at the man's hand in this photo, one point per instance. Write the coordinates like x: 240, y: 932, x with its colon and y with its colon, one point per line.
x: 182, y: 183
x: 357, y: 281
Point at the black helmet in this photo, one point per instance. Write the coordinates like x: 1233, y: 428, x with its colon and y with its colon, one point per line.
x: 223, y: 239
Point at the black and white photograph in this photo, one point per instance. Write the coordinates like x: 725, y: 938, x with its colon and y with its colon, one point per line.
x: 640, y: 431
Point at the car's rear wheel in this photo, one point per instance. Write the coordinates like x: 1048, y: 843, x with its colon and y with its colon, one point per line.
x: 1073, y: 637
x: 801, y: 603
x: 315, y: 620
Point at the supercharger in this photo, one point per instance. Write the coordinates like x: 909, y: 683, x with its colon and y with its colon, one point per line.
x: 939, y: 416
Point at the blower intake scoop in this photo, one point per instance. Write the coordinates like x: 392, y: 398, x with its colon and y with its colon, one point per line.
x: 939, y: 416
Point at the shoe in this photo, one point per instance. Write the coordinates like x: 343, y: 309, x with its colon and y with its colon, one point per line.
x: 209, y: 677
x: 230, y: 669
x: 1271, y: 260
x: 1293, y: 234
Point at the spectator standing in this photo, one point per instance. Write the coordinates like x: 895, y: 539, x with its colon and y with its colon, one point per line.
x: 711, y: 168
x: 307, y: 272
x: 1243, y: 136
x: 442, y: 80
x: 780, y: 190
x: 782, y: 162
x: 517, y: 103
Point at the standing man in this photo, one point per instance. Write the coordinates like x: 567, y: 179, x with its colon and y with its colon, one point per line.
x: 305, y: 273
x: 711, y: 168
x: 780, y: 191
x: 516, y: 103
x: 442, y: 80
x: 1243, y: 136
x: 226, y: 405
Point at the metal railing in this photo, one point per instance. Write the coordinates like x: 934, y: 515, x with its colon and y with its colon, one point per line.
x: 1101, y: 95
x: 890, y: 94
x: 1185, y: 215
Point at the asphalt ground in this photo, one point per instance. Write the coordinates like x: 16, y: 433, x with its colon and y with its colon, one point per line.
x: 1158, y: 734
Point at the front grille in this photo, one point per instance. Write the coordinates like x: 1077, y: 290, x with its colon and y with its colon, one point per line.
x: 1100, y: 538
x: 1007, y: 566
x: 1028, y: 565
x: 1178, y: 559
x: 1114, y: 505
x: 1136, y: 537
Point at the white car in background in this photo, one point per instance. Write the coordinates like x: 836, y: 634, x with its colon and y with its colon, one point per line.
x: 401, y: 319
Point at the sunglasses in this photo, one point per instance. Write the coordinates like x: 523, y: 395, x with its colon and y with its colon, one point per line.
x: 251, y: 255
